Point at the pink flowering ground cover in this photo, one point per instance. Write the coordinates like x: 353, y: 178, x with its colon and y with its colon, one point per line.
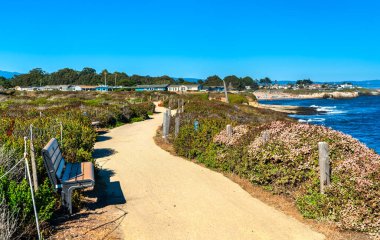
x: 287, y: 163
x: 281, y: 155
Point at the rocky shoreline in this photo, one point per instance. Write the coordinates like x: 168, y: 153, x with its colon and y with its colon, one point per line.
x: 291, y: 109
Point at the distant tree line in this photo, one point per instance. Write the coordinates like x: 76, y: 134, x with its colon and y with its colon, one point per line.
x: 89, y: 76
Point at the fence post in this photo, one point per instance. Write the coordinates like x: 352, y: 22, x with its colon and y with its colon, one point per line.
x: 265, y: 136
x: 176, y: 129
x: 169, y: 113
x: 324, y: 165
x: 61, y: 128
x: 33, y: 160
x: 164, y: 121
x: 166, y: 124
x: 31, y: 189
x: 229, y: 131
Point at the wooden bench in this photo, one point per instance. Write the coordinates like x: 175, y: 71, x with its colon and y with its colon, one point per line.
x: 66, y: 177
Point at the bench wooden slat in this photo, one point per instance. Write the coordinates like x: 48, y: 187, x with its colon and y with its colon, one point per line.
x: 56, y: 158
x: 78, y: 172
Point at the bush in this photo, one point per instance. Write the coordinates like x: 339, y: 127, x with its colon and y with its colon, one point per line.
x: 45, y: 111
x: 237, y: 99
x: 287, y: 162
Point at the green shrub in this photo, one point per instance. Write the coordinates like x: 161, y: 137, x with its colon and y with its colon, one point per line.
x: 237, y: 99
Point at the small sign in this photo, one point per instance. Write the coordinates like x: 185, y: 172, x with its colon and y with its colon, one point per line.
x: 196, y: 125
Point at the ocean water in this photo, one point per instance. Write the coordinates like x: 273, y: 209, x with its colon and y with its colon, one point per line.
x: 358, y: 117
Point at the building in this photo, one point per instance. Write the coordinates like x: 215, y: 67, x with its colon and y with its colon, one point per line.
x: 55, y: 88
x: 345, y: 86
x: 102, y: 88
x: 215, y: 88
x: 18, y: 88
x: 184, y: 88
x: 84, y: 88
x: 159, y: 87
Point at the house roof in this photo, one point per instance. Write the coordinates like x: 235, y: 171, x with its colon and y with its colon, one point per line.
x: 153, y: 86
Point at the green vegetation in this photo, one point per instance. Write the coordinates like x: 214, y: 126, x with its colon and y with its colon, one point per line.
x: 45, y: 110
x: 286, y: 161
x: 89, y: 76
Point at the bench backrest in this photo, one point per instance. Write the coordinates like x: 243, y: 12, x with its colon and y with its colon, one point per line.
x: 53, y: 161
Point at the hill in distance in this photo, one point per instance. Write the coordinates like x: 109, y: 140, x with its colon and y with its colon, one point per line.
x: 8, y: 74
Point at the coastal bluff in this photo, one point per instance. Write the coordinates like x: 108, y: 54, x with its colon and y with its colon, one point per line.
x: 268, y: 95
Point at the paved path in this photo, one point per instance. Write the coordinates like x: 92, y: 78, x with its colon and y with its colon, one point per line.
x: 168, y: 197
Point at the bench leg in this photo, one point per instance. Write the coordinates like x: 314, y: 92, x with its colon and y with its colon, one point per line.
x: 66, y: 197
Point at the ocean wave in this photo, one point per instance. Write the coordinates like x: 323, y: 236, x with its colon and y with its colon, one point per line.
x: 328, y: 109
x: 311, y: 120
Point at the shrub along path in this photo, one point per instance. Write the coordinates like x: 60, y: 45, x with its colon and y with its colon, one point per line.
x: 168, y: 197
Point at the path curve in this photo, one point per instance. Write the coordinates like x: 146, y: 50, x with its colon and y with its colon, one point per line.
x: 172, y: 198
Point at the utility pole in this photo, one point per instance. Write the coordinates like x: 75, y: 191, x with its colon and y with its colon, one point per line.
x: 225, y: 91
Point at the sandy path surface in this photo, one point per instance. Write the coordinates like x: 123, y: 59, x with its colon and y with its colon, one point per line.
x: 168, y: 197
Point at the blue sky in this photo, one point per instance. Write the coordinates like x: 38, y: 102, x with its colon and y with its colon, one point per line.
x: 286, y: 40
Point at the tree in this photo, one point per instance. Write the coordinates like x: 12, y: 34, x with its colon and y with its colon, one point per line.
x: 304, y: 82
x: 200, y: 81
x: 5, y: 82
x: 266, y: 81
x: 213, y: 81
x: 248, y: 81
x: 35, y: 77
x: 64, y: 76
x: 181, y: 80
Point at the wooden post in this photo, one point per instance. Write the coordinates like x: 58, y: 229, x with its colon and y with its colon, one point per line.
x: 33, y: 160
x: 169, y: 113
x: 166, y: 124
x: 183, y: 106
x: 177, y: 123
x: 165, y: 120
x: 265, y: 136
x: 229, y: 131
x: 61, y: 129
x: 324, y: 165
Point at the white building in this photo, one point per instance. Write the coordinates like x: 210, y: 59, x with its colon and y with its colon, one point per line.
x: 184, y: 88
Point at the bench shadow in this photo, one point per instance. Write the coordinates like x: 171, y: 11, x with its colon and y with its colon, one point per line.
x: 102, y: 138
x: 103, y: 152
x: 106, y: 192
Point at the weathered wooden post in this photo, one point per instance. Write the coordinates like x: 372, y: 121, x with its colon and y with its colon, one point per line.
x: 166, y: 124
x: 165, y: 117
x: 169, y: 113
x: 61, y: 129
x: 324, y: 165
x: 229, y: 131
x: 183, y: 106
x: 176, y: 128
x: 33, y: 160
x: 265, y: 136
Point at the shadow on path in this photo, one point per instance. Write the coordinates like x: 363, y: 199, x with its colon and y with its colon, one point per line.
x: 105, y: 191
x: 103, y: 152
x: 102, y: 138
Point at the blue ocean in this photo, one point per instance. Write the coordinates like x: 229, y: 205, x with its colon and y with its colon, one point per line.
x: 358, y: 117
